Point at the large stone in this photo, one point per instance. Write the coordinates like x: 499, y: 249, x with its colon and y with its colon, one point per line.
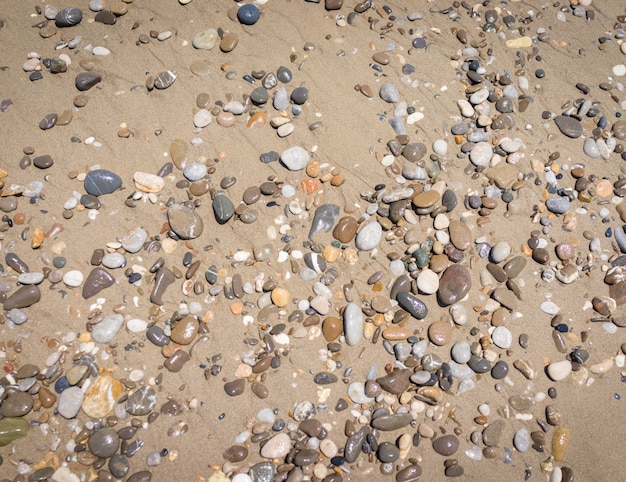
x: 454, y: 284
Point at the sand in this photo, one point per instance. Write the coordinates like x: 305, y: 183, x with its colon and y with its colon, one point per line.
x: 352, y: 139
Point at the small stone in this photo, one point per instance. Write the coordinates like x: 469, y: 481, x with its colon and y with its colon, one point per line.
x: 16, y: 404
x: 248, y: 14
x: 97, y: 280
x: 560, y: 442
x: 223, y: 208
x: 353, y: 322
x: 389, y: 93
x: 502, y: 337
x: 521, y: 440
x: 454, y: 284
x: 101, y: 397
x: 205, y: 40
x: 493, y: 432
x: 345, y: 230
x: 184, y: 221
x: 235, y: 387
x: 12, y: 429
x: 23, y: 297
x: 100, y: 182
x: 185, y: 330
x: 276, y: 447
x: 70, y: 402
x: 202, y: 118
x: 446, y: 445
x: 105, y: 330
x: 569, y: 126
x: 141, y: 401
x: 389, y: 423
x: 369, y: 237
x: 560, y: 370
x: 68, y: 17
x: 324, y: 219
x: 104, y: 442
x: 416, y: 307
x: 229, y: 42
x: 165, y: 79
x: 440, y: 332
x: 86, y: 80
x: 558, y: 204
x: 295, y: 158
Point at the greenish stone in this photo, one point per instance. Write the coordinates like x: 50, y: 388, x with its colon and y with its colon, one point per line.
x: 11, y: 429
x: 421, y: 258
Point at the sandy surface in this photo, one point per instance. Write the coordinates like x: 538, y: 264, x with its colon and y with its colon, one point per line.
x: 352, y: 139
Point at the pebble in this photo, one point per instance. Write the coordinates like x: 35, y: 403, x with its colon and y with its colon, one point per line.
x: 223, y: 208
x: 12, y: 429
x: 104, y: 442
x: 558, y: 371
x: 569, y: 126
x: 454, y: 284
x: 100, y: 182
x: 23, y: 297
x: 446, y: 445
x: 323, y: 219
x: 389, y: 93
x: 353, y: 322
x: 493, y: 433
x: 102, y: 397
x: 16, y: 404
x: 413, y: 305
x: 521, y: 440
x: 69, y: 402
x: 97, y: 280
x: 440, y: 332
x: 86, y: 80
x: 369, y: 237
x: 184, y: 221
x: 558, y: 204
x: 205, y: 40
x: 141, y: 402
x: 105, y: 330
x: 295, y: 158
x: 248, y: 14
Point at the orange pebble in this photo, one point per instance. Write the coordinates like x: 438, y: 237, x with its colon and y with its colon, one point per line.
x: 604, y: 188
x: 257, y: 120
x: 19, y: 218
x: 310, y: 185
x: 236, y: 308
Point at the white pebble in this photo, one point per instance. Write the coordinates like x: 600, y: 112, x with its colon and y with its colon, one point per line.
x: 73, y: 278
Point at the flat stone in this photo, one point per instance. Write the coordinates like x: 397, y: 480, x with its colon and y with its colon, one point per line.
x: 454, y: 284
x: 205, y: 40
x: 446, y: 445
x: 68, y: 17
x: 97, y: 280
x: 391, y: 422
x: 559, y: 370
x: 12, y: 429
x: 416, y: 307
x: 295, y: 158
x: 460, y: 235
x: 396, y: 381
x: 104, y: 331
x: 184, y: 221
x: 324, y: 219
x: 23, y: 297
x: 493, y: 432
x: 440, y: 332
x: 141, y: 401
x: 70, y: 402
x: 16, y: 404
x: 345, y: 230
x: 558, y: 204
x: 86, y: 80
x: 369, y: 237
x: 101, y: 181
x: 185, y: 330
x: 104, y: 442
x: 389, y: 93
x: 569, y: 126
x: 223, y: 208
x: 101, y: 397
x: 276, y: 447
x: 165, y: 79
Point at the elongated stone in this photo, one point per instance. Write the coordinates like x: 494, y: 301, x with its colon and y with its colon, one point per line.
x: 162, y: 280
x: 353, y: 321
x: 416, y: 307
x: 23, y: 297
x: 388, y: 423
x: 12, y: 429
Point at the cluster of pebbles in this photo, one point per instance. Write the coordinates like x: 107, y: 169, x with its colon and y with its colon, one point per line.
x: 416, y: 306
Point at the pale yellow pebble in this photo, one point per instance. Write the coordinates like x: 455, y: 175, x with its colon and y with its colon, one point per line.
x: 330, y: 254
x: 37, y: 239
x: 519, y: 43
x: 281, y: 297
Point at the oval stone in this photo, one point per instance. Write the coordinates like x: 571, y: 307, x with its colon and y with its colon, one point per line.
x: 184, y: 221
x: 454, y: 284
x: 101, y: 181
